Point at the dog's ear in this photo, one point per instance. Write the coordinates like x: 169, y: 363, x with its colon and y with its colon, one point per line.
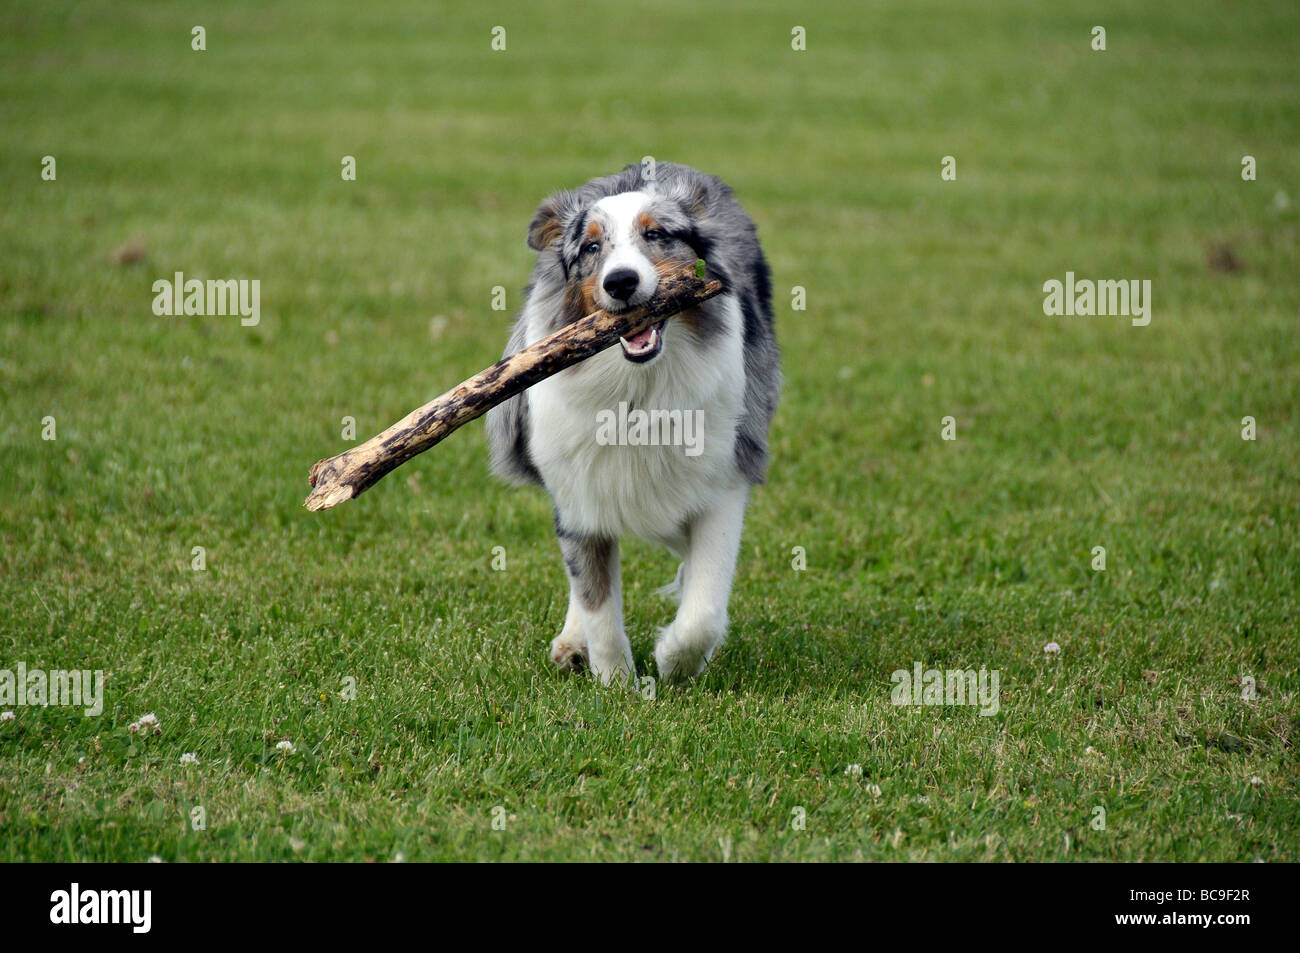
x: 696, y: 201
x: 693, y: 198
x: 549, y: 221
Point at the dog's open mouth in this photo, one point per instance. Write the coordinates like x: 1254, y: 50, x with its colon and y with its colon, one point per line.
x: 644, y: 345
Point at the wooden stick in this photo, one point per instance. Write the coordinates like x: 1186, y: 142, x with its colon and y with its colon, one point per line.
x: 352, y: 472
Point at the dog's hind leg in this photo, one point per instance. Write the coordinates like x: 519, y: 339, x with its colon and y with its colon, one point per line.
x: 673, y: 590
x: 595, y: 619
x: 685, y: 647
x: 678, y: 546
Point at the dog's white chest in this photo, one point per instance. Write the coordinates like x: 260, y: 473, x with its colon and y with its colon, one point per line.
x: 626, y: 450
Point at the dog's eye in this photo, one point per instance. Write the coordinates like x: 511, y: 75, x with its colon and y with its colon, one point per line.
x: 655, y: 235
x: 591, y: 248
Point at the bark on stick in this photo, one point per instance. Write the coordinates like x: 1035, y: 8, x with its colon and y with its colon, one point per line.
x: 352, y: 472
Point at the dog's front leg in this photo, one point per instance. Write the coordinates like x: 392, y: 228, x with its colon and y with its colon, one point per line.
x: 685, y: 647
x: 596, y: 605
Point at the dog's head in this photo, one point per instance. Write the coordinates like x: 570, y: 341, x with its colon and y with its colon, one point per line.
x: 612, y: 240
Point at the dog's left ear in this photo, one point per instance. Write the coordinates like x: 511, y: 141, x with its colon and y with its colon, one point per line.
x: 696, y: 201
x: 548, y: 223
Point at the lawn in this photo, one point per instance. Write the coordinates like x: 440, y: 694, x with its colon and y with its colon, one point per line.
x: 411, y: 677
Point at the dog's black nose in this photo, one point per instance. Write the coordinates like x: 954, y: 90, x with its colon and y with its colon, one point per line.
x: 621, y: 283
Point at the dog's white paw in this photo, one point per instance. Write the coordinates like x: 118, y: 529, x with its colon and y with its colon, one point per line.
x: 682, y: 653
x: 569, y: 651
x: 619, y: 672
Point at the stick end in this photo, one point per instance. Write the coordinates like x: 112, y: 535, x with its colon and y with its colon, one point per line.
x: 323, y: 498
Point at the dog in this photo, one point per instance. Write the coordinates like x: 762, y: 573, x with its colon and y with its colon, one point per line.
x: 606, y: 245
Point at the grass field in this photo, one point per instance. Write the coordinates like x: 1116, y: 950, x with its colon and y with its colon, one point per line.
x: 924, y: 300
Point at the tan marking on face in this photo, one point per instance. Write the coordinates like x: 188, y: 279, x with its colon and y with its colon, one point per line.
x: 646, y: 221
x: 669, y: 265
x: 594, y: 231
x: 579, y: 299
x: 672, y: 265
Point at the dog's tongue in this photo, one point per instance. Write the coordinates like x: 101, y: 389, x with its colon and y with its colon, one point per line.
x: 641, y: 340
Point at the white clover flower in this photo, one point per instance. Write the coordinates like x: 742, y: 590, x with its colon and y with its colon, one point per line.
x: 1051, y: 648
x: 7, y: 716
x: 150, y: 719
x: 285, y: 745
x: 1256, y: 779
x: 189, y: 757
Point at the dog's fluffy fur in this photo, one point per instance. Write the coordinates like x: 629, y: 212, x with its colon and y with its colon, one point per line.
x: 604, y: 245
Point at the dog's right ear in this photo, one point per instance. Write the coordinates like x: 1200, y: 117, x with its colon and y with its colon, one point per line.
x: 548, y: 224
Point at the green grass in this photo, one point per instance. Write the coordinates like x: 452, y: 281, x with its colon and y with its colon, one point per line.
x: 924, y: 300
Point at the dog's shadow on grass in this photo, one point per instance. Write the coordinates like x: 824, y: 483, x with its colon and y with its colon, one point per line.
x: 769, y: 656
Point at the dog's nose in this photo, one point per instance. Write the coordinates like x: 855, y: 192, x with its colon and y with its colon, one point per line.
x: 621, y: 283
